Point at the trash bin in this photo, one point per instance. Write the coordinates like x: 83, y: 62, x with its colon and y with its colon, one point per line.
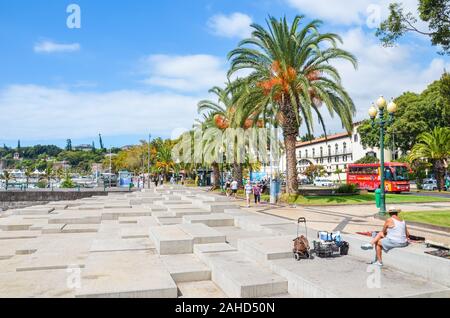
x: 378, y: 198
x: 275, y: 187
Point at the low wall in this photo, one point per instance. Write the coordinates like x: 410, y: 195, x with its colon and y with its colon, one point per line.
x: 22, y: 199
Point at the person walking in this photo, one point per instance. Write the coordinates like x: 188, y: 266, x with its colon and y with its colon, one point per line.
x: 248, y: 192
x: 155, y: 180
x: 234, y: 188
x: 257, y: 193
x: 228, y: 187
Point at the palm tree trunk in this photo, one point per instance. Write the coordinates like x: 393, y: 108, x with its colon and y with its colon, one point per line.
x: 237, y: 174
x: 290, y: 143
x: 290, y: 127
x: 440, y: 173
x: 216, y: 174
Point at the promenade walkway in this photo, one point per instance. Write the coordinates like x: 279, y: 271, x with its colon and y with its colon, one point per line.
x: 175, y: 242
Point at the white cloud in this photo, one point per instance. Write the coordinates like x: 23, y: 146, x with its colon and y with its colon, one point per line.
x: 347, y: 12
x: 189, y: 73
x: 383, y: 71
x: 40, y: 113
x: 53, y: 47
x: 236, y: 25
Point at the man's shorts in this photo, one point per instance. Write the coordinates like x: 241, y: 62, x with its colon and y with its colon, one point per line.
x: 390, y: 245
x: 234, y: 191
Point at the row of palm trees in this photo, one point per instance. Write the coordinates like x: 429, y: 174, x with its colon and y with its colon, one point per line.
x: 291, y: 81
x: 29, y: 173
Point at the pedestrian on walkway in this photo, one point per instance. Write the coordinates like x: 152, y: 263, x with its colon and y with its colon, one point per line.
x: 257, y: 193
x: 234, y: 188
x: 248, y: 192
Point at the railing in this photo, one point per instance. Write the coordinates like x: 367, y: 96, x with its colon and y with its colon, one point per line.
x: 347, y: 152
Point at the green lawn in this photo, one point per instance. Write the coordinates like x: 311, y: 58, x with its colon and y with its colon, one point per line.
x: 359, y: 199
x: 439, y: 218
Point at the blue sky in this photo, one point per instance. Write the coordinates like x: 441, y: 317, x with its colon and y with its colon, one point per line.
x: 139, y: 67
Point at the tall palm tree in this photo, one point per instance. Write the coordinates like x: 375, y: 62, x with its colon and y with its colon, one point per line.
x: 434, y: 147
x: 29, y: 172
x: 292, y: 72
x: 7, y: 177
x: 48, y: 175
x: 227, y: 113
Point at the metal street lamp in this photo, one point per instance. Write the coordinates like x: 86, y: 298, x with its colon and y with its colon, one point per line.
x: 391, y: 108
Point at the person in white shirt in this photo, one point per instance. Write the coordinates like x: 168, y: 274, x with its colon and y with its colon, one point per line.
x: 248, y: 192
x: 234, y: 188
x: 395, y: 234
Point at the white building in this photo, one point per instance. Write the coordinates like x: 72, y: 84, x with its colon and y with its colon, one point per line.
x: 335, y: 152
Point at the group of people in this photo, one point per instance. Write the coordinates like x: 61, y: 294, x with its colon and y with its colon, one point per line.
x: 255, y: 190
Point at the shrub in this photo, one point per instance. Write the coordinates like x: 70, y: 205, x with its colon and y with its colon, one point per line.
x: 347, y: 189
x: 41, y: 184
x: 68, y: 184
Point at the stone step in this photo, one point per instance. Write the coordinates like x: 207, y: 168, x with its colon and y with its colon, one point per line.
x: 81, y: 217
x: 240, y: 277
x: 126, y: 275
x: 35, y: 211
x: 259, y: 222
x: 169, y: 220
x: 80, y: 228
x: 264, y: 249
x: 202, y: 234
x: 186, y: 268
x: 171, y: 240
x: 102, y: 245
x: 211, y: 220
x: 349, y: 277
x: 197, y: 290
x: 412, y: 260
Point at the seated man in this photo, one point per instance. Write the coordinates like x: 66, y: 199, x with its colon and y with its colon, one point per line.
x: 395, y: 234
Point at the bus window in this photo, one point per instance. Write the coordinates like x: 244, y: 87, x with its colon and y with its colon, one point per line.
x: 389, y: 176
x: 401, y: 174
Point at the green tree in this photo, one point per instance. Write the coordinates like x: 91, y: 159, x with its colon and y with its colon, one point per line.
x: 368, y: 160
x: 338, y: 172
x: 436, y: 13
x: 312, y: 172
x: 417, y: 113
x: 434, y: 147
x: 69, y: 145
x: 292, y: 71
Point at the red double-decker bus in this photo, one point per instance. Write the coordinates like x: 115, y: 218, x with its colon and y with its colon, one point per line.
x: 368, y: 176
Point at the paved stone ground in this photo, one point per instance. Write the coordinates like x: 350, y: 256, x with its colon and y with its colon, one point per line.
x: 175, y: 242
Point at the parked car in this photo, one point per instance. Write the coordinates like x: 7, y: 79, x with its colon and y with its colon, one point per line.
x: 430, y: 185
x: 321, y: 182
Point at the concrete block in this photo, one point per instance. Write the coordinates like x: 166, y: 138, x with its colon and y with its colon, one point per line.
x: 134, y: 232
x: 240, y: 277
x: 17, y: 235
x: 171, y: 240
x: 267, y: 248
x: 186, y: 268
x: 412, y: 260
x: 197, y: 290
x: 169, y: 220
x: 202, y: 234
x: 211, y: 220
x: 258, y: 222
x: 321, y: 279
x: 120, y: 245
x: 41, y: 284
x: 115, y: 275
x: 81, y: 228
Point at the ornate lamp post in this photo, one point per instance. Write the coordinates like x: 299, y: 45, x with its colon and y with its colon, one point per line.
x: 382, y: 122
